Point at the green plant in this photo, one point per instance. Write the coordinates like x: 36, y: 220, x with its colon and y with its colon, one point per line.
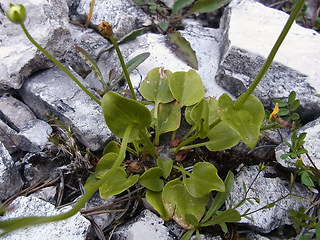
x: 222, y: 123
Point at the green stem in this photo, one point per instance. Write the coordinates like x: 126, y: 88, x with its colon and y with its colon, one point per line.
x: 191, y: 130
x: 156, y: 126
x: 148, y: 144
x: 186, y: 142
x: 202, y: 144
x: 53, y: 59
x: 241, y: 100
x: 14, y: 224
x: 123, y: 65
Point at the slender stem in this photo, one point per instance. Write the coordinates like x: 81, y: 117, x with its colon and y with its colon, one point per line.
x: 191, y: 130
x: 123, y: 65
x: 187, y: 141
x: 148, y: 144
x: 202, y: 144
x: 156, y: 126
x: 53, y: 59
x: 271, y: 56
x: 13, y: 224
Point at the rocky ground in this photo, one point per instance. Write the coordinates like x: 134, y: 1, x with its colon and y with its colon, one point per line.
x: 41, y: 175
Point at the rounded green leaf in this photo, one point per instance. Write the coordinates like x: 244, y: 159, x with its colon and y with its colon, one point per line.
x: 155, y: 200
x: 213, y: 110
x: 120, y: 112
x: 203, y: 180
x: 187, y: 115
x: 104, y: 164
x: 169, y: 117
x: 245, y: 120
x: 222, y: 137
x: 165, y: 165
x: 112, y: 146
x: 117, y: 183
x: 155, y: 87
x: 186, y: 87
x: 151, y: 179
x: 178, y: 203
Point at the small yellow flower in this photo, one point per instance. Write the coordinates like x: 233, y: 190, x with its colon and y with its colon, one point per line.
x: 274, y: 114
x: 16, y: 14
x: 105, y: 29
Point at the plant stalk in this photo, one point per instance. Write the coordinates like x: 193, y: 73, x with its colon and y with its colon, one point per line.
x: 53, y: 59
x: 241, y: 100
x: 123, y: 65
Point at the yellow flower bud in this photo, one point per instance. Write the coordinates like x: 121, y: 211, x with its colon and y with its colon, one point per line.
x: 17, y: 13
x: 105, y: 29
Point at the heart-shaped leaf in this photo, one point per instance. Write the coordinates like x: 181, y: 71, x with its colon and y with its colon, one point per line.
x: 104, y: 164
x: 222, y: 137
x: 151, y: 179
x: 155, y: 200
x: 245, y: 120
x: 165, y: 165
x: 203, y: 180
x: 117, y: 183
x: 169, y: 117
x: 120, y: 112
x: 186, y: 87
x: 112, y: 146
x: 178, y: 203
x: 155, y: 87
x: 187, y: 115
x: 200, y: 116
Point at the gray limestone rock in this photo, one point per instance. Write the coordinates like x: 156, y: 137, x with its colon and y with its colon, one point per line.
x: 267, y: 190
x: 74, y: 228
x: 250, y: 30
x: 312, y: 144
x: 90, y: 41
x: 48, y: 25
x: 10, y: 179
x: 146, y: 224
x: 53, y: 92
x: 34, y: 136
x: 123, y: 15
x: 40, y: 167
x: 103, y: 220
x: 8, y: 137
x: 14, y: 112
x: 205, y: 42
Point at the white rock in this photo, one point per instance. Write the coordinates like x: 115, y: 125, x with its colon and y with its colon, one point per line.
x: 168, y: 3
x: 15, y: 112
x: 10, y: 179
x: 146, y: 226
x: 35, y: 136
x: 74, y: 228
x: 8, y: 137
x: 124, y: 16
x: 47, y: 24
x: 267, y: 190
x: 250, y: 31
x: 54, y: 92
x: 312, y: 144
